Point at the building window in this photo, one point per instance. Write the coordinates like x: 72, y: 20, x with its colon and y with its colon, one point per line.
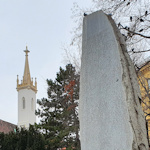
x: 23, y: 103
x: 148, y: 83
x: 32, y: 103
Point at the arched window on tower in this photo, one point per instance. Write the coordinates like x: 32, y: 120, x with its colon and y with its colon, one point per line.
x: 32, y: 102
x: 23, y: 103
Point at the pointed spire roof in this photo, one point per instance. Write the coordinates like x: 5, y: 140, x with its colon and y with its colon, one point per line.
x: 26, y: 76
x: 26, y: 82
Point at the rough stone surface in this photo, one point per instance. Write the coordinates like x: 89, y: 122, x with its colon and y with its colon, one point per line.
x: 110, y: 114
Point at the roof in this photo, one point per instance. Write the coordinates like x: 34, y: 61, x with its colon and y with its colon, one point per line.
x: 26, y: 83
x: 6, y: 127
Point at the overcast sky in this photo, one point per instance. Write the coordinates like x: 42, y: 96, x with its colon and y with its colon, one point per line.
x: 44, y: 26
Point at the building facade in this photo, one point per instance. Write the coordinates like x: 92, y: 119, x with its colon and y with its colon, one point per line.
x: 144, y: 82
x: 7, y: 127
x: 26, y: 96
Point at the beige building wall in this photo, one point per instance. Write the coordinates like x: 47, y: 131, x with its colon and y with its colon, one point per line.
x: 144, y: 82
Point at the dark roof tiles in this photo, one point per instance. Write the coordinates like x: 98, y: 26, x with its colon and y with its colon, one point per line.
x: 6, y: 127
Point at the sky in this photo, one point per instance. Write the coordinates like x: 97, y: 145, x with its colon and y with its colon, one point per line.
x: 44, y: 26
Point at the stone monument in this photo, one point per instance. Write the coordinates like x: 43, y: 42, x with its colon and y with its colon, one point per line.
x: 110, y: 114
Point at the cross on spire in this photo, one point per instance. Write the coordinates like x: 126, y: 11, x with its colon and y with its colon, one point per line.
x: 26, y: 51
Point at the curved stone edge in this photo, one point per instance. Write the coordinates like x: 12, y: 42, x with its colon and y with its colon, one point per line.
x: 129, y: 78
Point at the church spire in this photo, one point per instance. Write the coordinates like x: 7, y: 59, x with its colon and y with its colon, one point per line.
x: 26, y: 83
x: 26, y: 76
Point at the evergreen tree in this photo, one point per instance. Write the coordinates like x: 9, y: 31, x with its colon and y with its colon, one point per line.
x: 22, y: 139
x: 59, y: 112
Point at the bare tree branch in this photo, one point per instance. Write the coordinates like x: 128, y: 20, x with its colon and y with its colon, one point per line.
x: 132, y: 51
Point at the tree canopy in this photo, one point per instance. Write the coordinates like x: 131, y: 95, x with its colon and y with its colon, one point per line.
x: 132, y: 18
x: 59, y: 112
x: 23, y: 139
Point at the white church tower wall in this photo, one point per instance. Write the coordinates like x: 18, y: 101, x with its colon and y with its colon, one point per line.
x: 26, y: 97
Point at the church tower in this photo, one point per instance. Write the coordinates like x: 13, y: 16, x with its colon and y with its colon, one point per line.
x: 26, y: 96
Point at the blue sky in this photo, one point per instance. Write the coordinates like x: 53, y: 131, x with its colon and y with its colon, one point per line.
x: 44, y: 26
